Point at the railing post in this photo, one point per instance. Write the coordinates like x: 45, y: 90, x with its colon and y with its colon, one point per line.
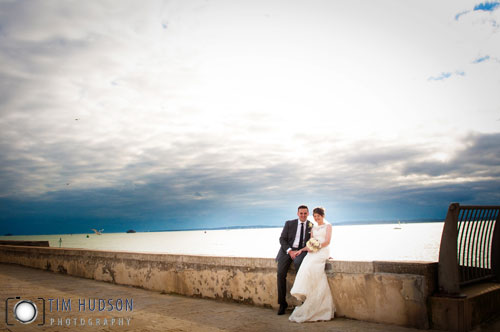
x: 495, y: 250
x: 448, y: 276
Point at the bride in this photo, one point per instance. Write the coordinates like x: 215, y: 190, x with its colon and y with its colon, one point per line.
x: 311, y: 284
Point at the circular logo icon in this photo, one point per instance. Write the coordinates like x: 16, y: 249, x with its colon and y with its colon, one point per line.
x: 25, y: 311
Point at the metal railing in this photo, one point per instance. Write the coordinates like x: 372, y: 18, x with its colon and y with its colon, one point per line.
x: 470, y: 247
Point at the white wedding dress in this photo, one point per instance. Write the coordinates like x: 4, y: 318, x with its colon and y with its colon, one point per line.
x: 311, y: 284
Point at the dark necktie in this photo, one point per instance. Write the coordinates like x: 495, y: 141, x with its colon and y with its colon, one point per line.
x: 301, y: 238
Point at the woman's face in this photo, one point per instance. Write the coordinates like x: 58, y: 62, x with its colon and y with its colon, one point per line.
x: 318, y: 218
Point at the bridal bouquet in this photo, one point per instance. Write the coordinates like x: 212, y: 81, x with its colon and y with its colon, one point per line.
x: 313, y: 245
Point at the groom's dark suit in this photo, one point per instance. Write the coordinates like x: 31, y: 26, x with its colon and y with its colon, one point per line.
x: 284, y: 260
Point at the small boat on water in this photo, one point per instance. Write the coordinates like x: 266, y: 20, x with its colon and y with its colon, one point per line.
x: 398, y: 226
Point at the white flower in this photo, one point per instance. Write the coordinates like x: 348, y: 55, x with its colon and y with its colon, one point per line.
x: 313, y: 244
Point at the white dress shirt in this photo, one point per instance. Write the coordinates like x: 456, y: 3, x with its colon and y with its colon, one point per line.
x: 297, y: 235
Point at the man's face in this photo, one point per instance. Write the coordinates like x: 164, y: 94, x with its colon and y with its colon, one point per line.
x: 303, y: 213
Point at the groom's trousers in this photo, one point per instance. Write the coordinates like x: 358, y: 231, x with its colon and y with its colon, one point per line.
x: 283, y: 265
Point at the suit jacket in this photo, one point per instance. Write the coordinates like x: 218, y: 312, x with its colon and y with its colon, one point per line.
x: 288, y: 235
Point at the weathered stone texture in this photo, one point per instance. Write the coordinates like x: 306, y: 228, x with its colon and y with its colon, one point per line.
x: 383, y: 292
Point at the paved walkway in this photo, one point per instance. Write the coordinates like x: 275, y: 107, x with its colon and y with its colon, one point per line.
x: 152, y: 311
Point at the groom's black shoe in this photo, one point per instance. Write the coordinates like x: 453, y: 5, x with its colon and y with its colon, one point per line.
x: 282, y: 309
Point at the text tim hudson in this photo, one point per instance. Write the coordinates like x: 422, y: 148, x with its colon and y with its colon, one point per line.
x: 91, y: 304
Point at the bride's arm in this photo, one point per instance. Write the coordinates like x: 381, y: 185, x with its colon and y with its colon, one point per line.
x: 328, y: 236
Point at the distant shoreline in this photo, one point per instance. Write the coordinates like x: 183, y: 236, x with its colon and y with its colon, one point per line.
x: 340, y: 223
x: 384, y: 222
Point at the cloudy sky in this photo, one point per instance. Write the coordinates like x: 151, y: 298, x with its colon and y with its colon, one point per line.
x: 183, y: 114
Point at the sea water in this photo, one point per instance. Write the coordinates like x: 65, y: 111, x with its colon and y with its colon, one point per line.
x: 406, y: 242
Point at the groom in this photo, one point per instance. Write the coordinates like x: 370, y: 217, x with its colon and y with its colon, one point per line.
x: 294, y: 237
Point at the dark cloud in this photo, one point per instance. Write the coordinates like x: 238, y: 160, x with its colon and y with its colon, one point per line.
x: 211, y: 192
x: 153, y: 156
x: 364, y: 153
x: 183, y: 199
x: 479, y: 157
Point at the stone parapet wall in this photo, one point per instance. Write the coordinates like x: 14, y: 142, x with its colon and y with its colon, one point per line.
x: 384, y: 292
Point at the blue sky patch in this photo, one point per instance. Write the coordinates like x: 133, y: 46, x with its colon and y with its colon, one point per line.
x: 441, y: 77
x: 487, y: 6
x: 445, y: 75
x: 460, y: 14
x: 481, y: 59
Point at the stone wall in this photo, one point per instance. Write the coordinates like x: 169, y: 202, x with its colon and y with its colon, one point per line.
x: 384, y: 292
